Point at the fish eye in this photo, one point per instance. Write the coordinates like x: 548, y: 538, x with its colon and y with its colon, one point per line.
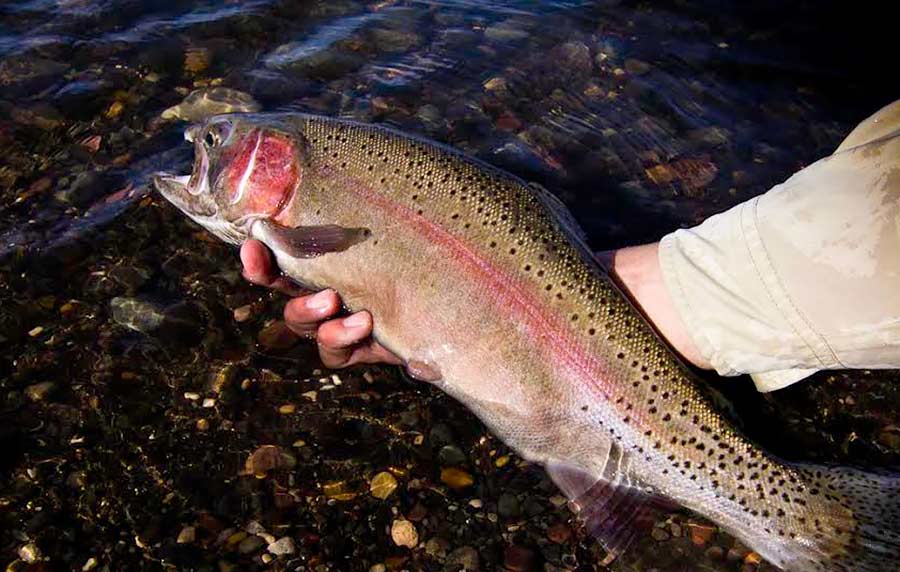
x: 217, y: 133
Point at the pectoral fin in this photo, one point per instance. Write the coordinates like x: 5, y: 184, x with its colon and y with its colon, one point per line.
x: 311, y: 241
x: 615, y: 514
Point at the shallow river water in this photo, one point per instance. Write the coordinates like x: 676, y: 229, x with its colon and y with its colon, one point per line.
x: 154, y: 413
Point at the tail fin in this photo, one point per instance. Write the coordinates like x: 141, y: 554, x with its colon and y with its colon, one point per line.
x: 874, y: 500
x: 860, y: 532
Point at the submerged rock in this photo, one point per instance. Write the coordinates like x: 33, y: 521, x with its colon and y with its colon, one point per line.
x: 517, y: 558
x: 268, y: 458
x: 463, y: 558
x: 404, y: 533
x: 456, y: 478
x: 508, y: 506
x: 179, y: 323
x: 40, y: 391
x: 451, y: 455
x: 282, y: 546
x: 206, y: 102
x: 382, y: 485
x: 136, y: 314
x: 507, y: 30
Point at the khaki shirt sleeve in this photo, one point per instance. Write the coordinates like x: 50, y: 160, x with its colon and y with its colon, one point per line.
x: 804, y: 277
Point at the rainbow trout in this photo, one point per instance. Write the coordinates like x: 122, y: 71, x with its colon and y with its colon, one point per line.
x: 484, y: 286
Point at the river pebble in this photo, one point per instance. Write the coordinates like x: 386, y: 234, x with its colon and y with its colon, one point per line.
x: 40, y: 391
x: 382, y: 485
x: 463, y: 558
x: 404, y: 533
x: 282, y: 546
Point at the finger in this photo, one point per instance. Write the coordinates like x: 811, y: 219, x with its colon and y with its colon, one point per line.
x: 259, y: 268
x: 373, y: 352
x: 337, y: 338
x: 305, y: 314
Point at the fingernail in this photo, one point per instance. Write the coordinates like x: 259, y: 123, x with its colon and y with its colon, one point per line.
x: 319, y: 301
x: 357, y: 320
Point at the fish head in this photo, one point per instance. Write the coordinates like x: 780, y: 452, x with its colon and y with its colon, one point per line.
x: 246, y: 168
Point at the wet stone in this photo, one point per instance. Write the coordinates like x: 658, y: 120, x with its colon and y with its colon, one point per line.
x: 139, y: 315
x: 268, y: 458
x: 463, y: 558
x: 636, y: 67
x: 533, y: 506
x: 508, y: 506
x: 206, y: 102
x: 417, y: 512
x: 131, y: 277
x: 441, y: 434
x: 890, y: 437
x: 282, y: 546
x: 197, y: 59
x: 404, y: 533
x: 715, y: 553
x: 27, y: 68
x: 394, y: 39
x: 340, y: 491
x: 507, y: 31
x: 437, y: 547
x: 451, y: 455
x: 243, y: 313
x: 518, y: 558
x: 29, y: 553
x: 325, y: 64
x: 174, y: 324
x: 711, y: 136
x: 86, y: 188
x: 276, y: 336
x: 735, y: 554
x: 40, y: 391
x: 382, y: 485
x: 701, y: 534
x: 187, y: 535
x: 429, y: 114
x: 496, y: 84
x: 251, y: 544
x: 560, y: 533
x: 456, y: 478
x: 574, y: 57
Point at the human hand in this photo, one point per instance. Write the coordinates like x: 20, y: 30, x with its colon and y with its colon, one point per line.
x: 342, y: 341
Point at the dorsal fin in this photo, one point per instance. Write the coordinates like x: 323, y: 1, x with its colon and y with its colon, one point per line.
x: 558, y: 208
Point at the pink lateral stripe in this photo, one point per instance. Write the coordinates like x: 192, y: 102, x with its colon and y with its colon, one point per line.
x: 587, y: 366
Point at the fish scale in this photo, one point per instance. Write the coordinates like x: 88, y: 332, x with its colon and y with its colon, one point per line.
x: 485, y: 282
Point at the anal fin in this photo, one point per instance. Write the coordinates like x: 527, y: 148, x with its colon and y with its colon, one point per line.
x: 616, y: 514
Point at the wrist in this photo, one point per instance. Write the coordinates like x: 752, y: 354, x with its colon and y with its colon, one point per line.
x: 638, y: 272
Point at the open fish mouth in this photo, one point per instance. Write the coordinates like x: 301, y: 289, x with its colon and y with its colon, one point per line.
x: 190, y: 193
x: 197, y: 183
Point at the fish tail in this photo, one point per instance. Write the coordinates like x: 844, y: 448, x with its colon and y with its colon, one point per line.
x: 854, y: 524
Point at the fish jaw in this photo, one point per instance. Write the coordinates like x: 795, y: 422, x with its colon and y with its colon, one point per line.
x: 177, y: 190
x: 190, y: 193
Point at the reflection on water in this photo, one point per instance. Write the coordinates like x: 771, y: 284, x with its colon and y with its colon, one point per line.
x: 139, y: 372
